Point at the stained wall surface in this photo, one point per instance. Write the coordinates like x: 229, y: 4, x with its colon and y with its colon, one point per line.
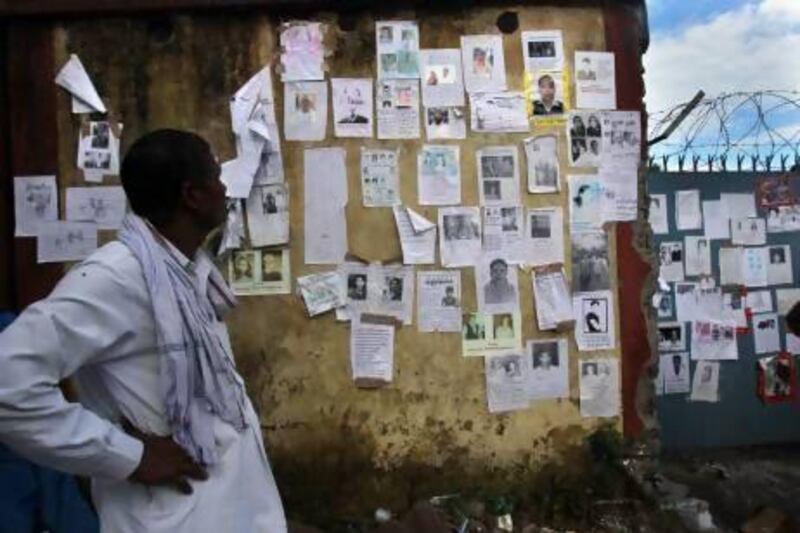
x: 331, y: 443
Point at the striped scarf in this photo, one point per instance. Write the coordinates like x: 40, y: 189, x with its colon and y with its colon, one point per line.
x: 198, y: 377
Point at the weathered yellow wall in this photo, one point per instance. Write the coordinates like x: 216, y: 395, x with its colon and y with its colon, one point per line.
x: 333, y: 444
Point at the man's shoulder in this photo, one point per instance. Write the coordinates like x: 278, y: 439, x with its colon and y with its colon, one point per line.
x: 111, y: 264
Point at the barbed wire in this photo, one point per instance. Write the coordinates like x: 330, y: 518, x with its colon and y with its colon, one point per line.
x: 740, y: 130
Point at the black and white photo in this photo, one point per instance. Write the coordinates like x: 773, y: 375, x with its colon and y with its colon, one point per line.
x: 590, y: 264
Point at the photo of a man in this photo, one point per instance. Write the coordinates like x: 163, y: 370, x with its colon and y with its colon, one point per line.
x: 498, y: 290
x: 271, y: 266
x: 547, y: 103
x: 357, y: 287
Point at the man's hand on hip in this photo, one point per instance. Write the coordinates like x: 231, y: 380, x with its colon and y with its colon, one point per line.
x: 164, y: 462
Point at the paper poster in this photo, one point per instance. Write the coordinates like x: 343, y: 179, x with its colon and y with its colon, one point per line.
x: 397, y: 107
x: 545, y: 236
x: 543, y: 50
x: 547, y: 95
x: 552, y: 299
x: 766, y: 333
x: 783, y: 219
x: 671, y: 336
x: 675, y: 371
x: 714, y: 340
x: 717, y: 220
x: 35, y: 202
x: 590, y: 264
x: 595, y: 84
x: 238, y: 179
x: 586, y: 202
x: 439, y: 300
x: 777, y: 378
x: 670, y: 257
x: 73, y: 78
x: 485, y: 334
x: 459, y: 236
x: 302, y: 51
x: 360, y: 286
x: 61, y: 241
x: 731, y: 262
x: 496, y: 285
x: 594, y: 320
x: 105, y: 206
x: 748, y: 231
x: 380, y: 185
x: 321, y: 292
x: 397, y: 45
x: 698, y: 256
x: 709, y: 302
x: 258, y: 147
x: 268, y: 214
x: 483, y: 62
x: 621, y: 192
x: 98, y: 151
x: 305, y: 110
x: 688, y: 215
x: 585, y: 136
x: 705, y: 385
x: 507, y: 381
x: 740, y: 204
x: 445, y: 123
x: 779, y: 270
x: 658, y: 380
x: 599, y: 387
x: 233, y: 231
x: 733, y: 309
x: 498, y: 175
x: 499, y: 112
x: 755, y: 265
x: 549, y: 368
x: 759, y: 301
x: 792, y: 343
x: 786, y: 299
x: 417, y: 236
x: 352, y: 107
x: 622, y: 137
x: 775, y: 192
x: 504, y: 233
x: 439, y: 175
x: 687, y: 301
x: 544, y: 174
x: 259, y: 272
x: 664, y: 304
x: 658, y: 214
x: 371, y: 349
x: 381, y: 289
x: 442, y: 80
x: 325, y: 195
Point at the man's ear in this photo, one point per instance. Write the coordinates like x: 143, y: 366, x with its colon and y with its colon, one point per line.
x: 190, y: 196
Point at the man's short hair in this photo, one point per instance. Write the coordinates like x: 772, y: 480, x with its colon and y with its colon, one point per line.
x: 547, y: 78
x: 156, y: 167
x: 498, y: 261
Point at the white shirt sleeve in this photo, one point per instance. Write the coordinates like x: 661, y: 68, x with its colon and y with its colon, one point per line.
x: 77, y: 325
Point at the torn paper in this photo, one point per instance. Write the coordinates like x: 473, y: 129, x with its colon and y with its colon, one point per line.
x: 417, y: 236
x: 73, y: 78
x: 233, y: 232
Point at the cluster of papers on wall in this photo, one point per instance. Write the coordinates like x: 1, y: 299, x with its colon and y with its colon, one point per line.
x: 710, y: 304
x: 445, y: 92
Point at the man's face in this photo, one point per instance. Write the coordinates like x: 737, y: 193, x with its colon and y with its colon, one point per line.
x: 547, y: 89
x: 498, y: 271
x: 208, y: 194
x: 545, y: 359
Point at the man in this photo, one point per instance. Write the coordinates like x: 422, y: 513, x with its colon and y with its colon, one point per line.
x: 166, y: 431
x: 547, y: 104
x: 498, y: 290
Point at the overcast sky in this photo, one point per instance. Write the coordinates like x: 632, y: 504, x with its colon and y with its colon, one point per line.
x: 720, y: 46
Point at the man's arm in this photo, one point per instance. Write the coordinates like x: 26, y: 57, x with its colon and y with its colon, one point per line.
x: 86, y: 318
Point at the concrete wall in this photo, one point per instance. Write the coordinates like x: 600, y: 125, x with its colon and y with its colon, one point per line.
x: 333, y: 445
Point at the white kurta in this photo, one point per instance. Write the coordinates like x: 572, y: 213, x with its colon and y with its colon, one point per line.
x: 98, y: 325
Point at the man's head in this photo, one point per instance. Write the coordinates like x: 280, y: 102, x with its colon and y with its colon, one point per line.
x: 547, y: 88
x: 171, y: 173
x: 498, y: 270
